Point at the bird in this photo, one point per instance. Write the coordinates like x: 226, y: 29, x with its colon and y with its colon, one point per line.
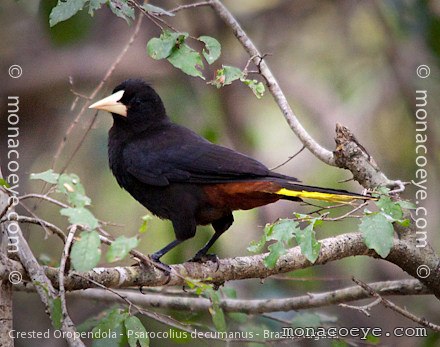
x: 180, y: 176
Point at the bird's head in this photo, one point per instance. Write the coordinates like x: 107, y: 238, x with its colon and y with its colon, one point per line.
x: 135, y: 102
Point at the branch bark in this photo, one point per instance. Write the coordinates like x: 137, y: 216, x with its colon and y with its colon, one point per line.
x: 36, y: 273
x: 272, y: 84
x: 403, y: 254
x: 351, y: 155
x: 5, y: 285
x: 179, y: 301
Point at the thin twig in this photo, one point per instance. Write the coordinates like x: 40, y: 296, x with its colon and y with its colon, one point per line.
x: 156, y: 316
x: 420, y: 320
x: 43, y: 197
x: 288, y: 159
x: 52, y: 227
x: 320, y: 152
x: 7, y: 207
x: 94, y: 93
x: 348, y: 214
x: 65, y: 255
x: 365, y: 309
x: 81, y: 141
x: 188, y: 6
x: 43, y: 285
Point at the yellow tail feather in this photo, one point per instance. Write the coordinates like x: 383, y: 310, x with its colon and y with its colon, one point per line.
x: 319, y: 196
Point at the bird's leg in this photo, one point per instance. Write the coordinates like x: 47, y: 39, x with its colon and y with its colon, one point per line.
x: 220, y: 226
x: 157, y: 255
x: 184, y: 228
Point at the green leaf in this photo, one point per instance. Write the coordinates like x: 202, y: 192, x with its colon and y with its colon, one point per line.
x: 218, y: 317
x: 70, y: 185
x: 257, y: 246
x: 162, y: 47
x: 282, y: 232
x: 144, y: 225
x: 374, y: 340
x: 408, y: 205
x: 306, y: 239
x: 81, y: 216
x: 306, y: 319
x: 113, y: 322
x: 378, y: 233
x: 47, y: 176
x: 56, y: 313
x: 186, y: 59
x: 231, y: 74
x: 404, y: 222
x: 5, y: 184
x: 88, y: 324
x: 136, y: 332
x: 213, y: 49
x: 389, y: 207
x: 64, y: 10
x: 121, y: 9
x: 276, y: 249
x: 95, y: 5
x: 120, y: 248
x: 256, y: 87
x: 112, y: 338
x: 155, y: 9
x: 86, y: 252
x: 230, y: 292
x: 226, y: 75
x: 114, y: 318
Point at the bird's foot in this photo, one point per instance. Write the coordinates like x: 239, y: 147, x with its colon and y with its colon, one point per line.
x: 161, y: 266
x: 203, y: 258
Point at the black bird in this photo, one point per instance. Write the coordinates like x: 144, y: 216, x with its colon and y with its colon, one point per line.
x: 180, y: 176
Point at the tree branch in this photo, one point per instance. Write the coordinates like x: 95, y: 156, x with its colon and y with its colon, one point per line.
x: 403, y: 254
x: 371, y: 291
x: 66, y: 322
x: 5, y: 284
x: 36, y: 273
x: 320, y: 152
x: 351, y: 155
x: 91, y: 97
x: 179, y: 301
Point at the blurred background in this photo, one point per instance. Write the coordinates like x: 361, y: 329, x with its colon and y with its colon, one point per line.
x: 346, y: 61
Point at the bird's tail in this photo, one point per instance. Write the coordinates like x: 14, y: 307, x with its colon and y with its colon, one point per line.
x: 293, y: 191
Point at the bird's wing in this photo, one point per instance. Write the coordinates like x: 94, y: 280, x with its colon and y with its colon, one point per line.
x: 190, y: 159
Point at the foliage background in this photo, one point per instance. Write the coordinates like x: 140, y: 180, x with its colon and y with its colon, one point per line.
x: 338, y: 61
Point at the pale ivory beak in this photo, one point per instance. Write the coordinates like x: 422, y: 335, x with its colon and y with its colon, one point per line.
x: 111, y: 104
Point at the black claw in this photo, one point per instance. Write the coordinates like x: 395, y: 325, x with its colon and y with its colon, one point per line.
x: 161, y: 266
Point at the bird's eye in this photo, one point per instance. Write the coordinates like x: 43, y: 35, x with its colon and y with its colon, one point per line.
x: 136, y: 101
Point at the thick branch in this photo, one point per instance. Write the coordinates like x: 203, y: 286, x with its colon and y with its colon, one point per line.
x: 422, y: 321
x: 38, y: 277
x: 403, y: 254
x: 311, y: 300
x: 323, y: 154
x: 351, y: 155
x: 5, y: 286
